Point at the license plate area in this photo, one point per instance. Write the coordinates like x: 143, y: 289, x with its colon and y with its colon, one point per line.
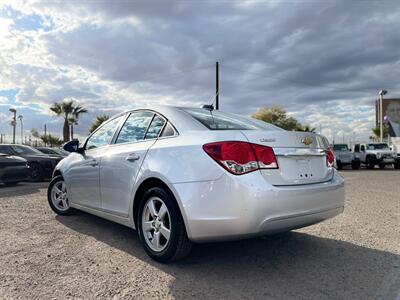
x: 303, y: 168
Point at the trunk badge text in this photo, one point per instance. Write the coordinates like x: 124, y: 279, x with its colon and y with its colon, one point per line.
x: 267, y: 140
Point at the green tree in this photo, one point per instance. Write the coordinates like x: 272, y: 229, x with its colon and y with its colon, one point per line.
x: 77, y: 111
x: 278, y: 116
x: 377, y: 132
x: 66, y: 109
x: 51, y: 140
x: 97, y: 122
x: 307, y: 128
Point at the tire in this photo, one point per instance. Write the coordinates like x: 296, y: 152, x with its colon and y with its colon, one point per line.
x: 13, y: 183
x: 60, y: 206
x: 355, y: 165
x: 382, y: 166
x: 396, y: 165
x: 339, y: 165
x: 36, y: 172
x: 370, y: 164
x: 151, y: 223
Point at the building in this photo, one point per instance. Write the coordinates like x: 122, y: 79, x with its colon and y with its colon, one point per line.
x: 391, y: 110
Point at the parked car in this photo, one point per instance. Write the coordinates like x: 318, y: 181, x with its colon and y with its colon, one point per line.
x: 53, y: 151
x: 377, y: 154
x: 344, y: 157
x: 41, y: 165
x: 13, y: 169
x: 183, y: 175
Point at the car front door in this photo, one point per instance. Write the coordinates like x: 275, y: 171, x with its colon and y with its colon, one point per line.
x: 120, y: 167
x: 83, y: 176
x: 363, y: 153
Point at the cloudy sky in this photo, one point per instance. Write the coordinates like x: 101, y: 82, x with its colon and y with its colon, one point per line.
x: 323, y: 61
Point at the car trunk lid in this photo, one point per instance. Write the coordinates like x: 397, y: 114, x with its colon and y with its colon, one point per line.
x: 301, y: 157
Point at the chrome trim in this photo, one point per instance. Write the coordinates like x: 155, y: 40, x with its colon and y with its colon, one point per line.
x: 286, y: 152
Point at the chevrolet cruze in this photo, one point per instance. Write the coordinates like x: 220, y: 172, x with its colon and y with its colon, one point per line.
x: 183, y: 175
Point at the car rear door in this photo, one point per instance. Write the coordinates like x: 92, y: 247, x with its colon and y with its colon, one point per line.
x: 121, y: 165
x: 83, y: 177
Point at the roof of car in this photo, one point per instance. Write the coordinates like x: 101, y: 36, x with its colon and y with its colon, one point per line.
x: 175, y: 114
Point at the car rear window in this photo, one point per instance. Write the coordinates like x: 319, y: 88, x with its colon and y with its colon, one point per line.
x: 340, y: 147
x: 217, y: 120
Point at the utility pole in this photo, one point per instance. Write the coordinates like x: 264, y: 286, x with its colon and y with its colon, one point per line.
x: 381, y: 93
x: 13, y: 121
x: 216, y: 85
x: 45, y: 134
x: 20, y: 117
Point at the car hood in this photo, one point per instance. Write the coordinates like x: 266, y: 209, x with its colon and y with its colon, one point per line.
x: 11, y: 158
x: 381, y: 152
x: 342, y: 152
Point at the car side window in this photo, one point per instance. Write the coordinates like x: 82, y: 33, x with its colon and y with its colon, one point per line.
x: 167, y: 131
x: 155, y: 127
x: 357, y: 148
x: 6, y: 149
x: 103, y: 135
x: 362, y: 148
x: 135, y: 127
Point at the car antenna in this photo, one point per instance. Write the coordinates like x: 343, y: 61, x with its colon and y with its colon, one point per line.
x: 210, y: 107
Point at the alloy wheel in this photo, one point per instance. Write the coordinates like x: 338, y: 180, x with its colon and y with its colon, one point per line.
x: 156, y: 224
x: 59, y: 196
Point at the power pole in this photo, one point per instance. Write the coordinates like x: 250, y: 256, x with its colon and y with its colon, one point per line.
x: 20, y: 117
x: 216, y: 85
x: 45, y: 134
x: 14, y: 122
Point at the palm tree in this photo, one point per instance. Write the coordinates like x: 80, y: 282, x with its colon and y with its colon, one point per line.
x: 66, y: 109
x: 77, y: 111
x: 377, y: 132
x: 99, y: 120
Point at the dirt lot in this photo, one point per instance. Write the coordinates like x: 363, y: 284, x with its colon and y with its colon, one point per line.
x: 353, y: 256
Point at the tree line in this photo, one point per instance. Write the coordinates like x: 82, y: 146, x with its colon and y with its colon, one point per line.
x: 70, y: 112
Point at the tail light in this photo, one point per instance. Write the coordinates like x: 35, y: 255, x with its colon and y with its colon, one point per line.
x: 330, y: 158
x: 241, y: 157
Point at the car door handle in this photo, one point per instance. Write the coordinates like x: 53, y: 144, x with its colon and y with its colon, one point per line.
x: 94, y: 163
x: 132, y: 157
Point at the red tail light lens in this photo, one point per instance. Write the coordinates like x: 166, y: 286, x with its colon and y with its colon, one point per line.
x: 265, y: 157
x: 330, y: 158
x: 241, y: 157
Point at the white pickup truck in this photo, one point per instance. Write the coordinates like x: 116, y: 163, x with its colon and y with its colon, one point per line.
x: 345, y: 157
x: 376, y: 154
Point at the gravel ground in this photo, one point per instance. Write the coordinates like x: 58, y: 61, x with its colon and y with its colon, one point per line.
x: 353, y: 256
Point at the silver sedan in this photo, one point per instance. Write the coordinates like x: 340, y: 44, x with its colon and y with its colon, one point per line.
x: 182, y: 175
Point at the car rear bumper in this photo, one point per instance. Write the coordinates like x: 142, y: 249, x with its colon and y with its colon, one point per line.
x: 14, y: 174
x: 234, y: 207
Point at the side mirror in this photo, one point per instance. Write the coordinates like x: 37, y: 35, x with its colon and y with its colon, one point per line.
x: 350, y: 150
x: 72, y: 146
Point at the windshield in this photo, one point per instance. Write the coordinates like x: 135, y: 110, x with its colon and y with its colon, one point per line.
x: 46, y: 151
x: 217, y: 120
x: 377, y: 147
x: 61, y: 151
x: 24, y: 150
x: 340, y: 147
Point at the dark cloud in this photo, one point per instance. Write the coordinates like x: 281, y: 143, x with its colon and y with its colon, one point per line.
x: 289, y: 53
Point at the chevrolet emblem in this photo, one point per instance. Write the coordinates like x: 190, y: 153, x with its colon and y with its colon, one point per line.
x: 307, y: 140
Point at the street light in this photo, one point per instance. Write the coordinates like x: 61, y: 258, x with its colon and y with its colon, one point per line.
x: 13, y: 122
x: 381, y: 93
x: 20, y: 117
